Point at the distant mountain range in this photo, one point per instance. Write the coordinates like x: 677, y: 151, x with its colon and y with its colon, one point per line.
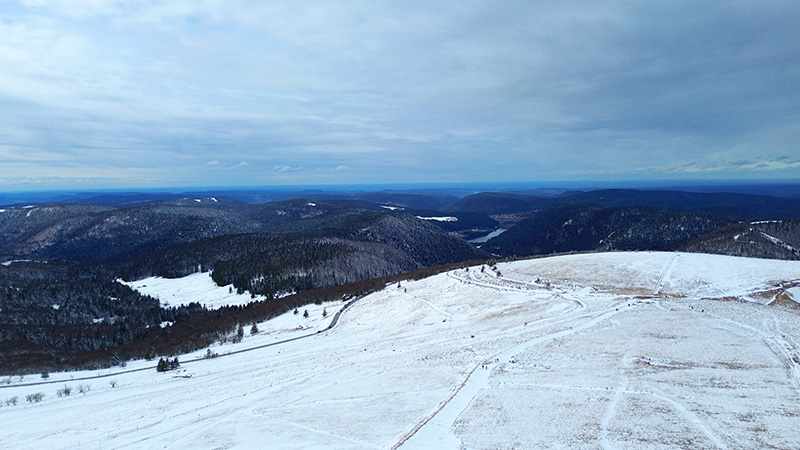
x: 103, y: 234
x: 745, y: 206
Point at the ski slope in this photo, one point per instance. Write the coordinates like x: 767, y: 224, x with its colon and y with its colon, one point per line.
x: 612, y: 350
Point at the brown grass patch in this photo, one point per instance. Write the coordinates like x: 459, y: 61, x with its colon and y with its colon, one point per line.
x: 784, y: 299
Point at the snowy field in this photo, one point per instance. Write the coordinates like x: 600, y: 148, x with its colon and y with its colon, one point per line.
x: 198, y: 287
x: 614, y: 350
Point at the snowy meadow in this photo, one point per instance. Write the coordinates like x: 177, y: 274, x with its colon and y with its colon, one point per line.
x: 611, y: 350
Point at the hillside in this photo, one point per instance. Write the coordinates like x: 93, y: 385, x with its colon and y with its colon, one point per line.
x: 566, y: 228
x: 102, y: 234
x: 63, y: 304
x: 353, y: 245
x: 744, y: 206
x: 773, y: 239
x: 612, y: 350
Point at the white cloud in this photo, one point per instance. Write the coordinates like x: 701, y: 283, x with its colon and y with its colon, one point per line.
x: 238, y: 166
x: 287, y: 169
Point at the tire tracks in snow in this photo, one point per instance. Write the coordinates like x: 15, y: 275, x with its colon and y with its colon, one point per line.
x: 698, y: 424
x: 665, y: 274
x: 779, y: 346
x: 610, y: 412
x: 447, y: 412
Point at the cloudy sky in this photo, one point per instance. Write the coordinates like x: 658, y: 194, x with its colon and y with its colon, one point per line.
x: 103, y: 93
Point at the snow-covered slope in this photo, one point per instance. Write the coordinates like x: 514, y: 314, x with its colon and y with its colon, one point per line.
x: 615, y: 350
x: 198, y: 287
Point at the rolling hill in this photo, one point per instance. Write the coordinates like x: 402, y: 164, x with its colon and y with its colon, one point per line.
x: 773, y: 239
x: 566, y: 228
x: 744, y: 206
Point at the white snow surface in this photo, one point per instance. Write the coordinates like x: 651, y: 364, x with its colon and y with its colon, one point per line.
x: 198, y: 287
x: 440, y: 218
x: 794, y: 294
x: 563, y: 352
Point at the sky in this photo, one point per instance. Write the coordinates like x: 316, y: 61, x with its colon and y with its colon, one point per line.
x: 117, y: 94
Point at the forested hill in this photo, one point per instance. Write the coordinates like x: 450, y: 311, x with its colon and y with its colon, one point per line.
x: 744, y: 206
x: 101, y: 234
x: 566, y: 228
x: 356, y: 246
x: 772, y: 239
x: 62, y: 302
x: 271, y: 242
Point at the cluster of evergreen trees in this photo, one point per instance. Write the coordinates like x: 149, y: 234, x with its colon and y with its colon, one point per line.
x: 167, y: 364
x: 65, y: 305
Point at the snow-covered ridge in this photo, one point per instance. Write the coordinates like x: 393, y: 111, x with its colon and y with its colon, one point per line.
x: 766, y: 236
x: 563, y: 352
x: 10, y: 262
x: 777, y: 241
x: 439, y: 219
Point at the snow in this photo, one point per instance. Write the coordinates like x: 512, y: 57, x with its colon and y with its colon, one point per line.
x: 393, y: 208
x: 777, y: 241
x: 311, y: 204
x: 794, y: 293
x: 10, y: 262
x: 439, y: 219
x: 563, y: 352
x: 198, y: 287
